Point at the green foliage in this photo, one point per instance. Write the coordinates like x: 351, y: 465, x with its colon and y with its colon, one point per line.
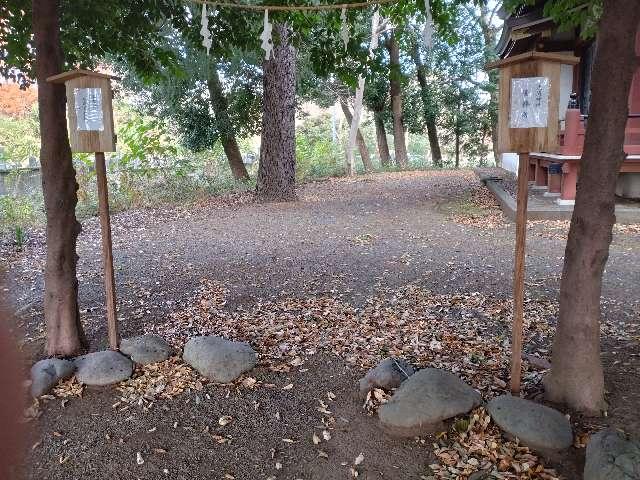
x: 317, y: 156
x: 460, y: 89
x: 17, y: 214
x: 150, y: 168
x: 91, y: 30
x: 568, y: 14
x: 187, y: 102
x: 143, y: 141
x: 19, y: 139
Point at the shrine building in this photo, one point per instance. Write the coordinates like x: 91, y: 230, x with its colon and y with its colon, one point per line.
x: 528, y: 30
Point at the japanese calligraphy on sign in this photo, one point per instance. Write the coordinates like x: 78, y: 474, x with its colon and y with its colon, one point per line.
x: 88, y: 102
x: 529, y: 102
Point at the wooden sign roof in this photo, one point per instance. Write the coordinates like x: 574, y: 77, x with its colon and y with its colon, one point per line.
x: 525, y: 57
x: 66, y: 76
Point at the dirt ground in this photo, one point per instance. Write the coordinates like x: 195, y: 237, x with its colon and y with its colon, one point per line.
x: 347, y: 240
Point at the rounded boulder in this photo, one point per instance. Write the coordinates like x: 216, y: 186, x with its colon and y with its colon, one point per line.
x: 611, y: 455
x: 103, y: 368
x: 218, y: 359
x: 388, y: 374
x: 541, y: 428
x: 146, y: 349
x: 424, y: 401
x: 46, y: 373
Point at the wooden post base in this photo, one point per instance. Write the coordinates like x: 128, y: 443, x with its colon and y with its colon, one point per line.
x: 107, y: 255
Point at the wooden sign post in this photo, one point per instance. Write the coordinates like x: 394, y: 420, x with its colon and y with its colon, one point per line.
x: 90, y: 114
x: 519, y: 271
x: 528, y: 121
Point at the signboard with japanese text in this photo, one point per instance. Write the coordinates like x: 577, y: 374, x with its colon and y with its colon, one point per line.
x: 88, y: 105
x: 529, y: 102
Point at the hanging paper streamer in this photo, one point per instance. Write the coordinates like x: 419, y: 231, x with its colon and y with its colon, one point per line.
x: 267, y: 41
x: 427, y: 32
x: 204, y: 31
x: 344, y: 29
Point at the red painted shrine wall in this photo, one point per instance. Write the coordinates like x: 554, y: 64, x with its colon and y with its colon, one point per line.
x: 632, y: 136
x: 634, y: 96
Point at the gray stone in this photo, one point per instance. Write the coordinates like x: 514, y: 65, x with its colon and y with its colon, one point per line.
x: 541, y: 428
x: 612, y: 456
x: 219, y: 359
x: 146, y: 349
x: 537, y: 362
x: 388, y: 374
x: 103, y: 368
x: 45, y: 374
x: 424, y: 401
x: 480, y: 475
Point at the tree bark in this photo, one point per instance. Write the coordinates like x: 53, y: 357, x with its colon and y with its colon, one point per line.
x: 395, y: 91
x: 277, y: 170
x: 64, y: 330
x: 220, y: 108
x: 576, y: 376
x: 381, y: 138
x: 362, y: 145
x: 489, y: 35
x: 457, y: 147
x: 429, y: 117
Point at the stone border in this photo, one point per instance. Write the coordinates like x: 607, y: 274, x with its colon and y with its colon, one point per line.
x: 624, y: 215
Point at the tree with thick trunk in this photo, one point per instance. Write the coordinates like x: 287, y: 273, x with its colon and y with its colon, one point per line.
x: 427, y: 103
x: 362, y: 145
x: 64, y: 330
x: 381, y: 139
x: 277, y: 170
x: 576, y: 377
x: 395, y: 91
x: 220, y: 108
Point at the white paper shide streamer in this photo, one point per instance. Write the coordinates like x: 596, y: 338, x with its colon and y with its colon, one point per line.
x: 344, y: 28
x: 427, y: 32
x: 204, y: 30
x: 265, y: 36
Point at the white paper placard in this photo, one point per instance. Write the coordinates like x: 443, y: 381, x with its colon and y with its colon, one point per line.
x: 89, y: 109
x: 529, y: 102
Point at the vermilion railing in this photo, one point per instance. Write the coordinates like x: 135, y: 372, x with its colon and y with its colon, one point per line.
x: 572, y: 137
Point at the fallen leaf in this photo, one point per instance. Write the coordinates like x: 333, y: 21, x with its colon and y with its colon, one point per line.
x: 225, y: 420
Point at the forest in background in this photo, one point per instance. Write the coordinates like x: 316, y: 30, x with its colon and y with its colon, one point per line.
x: 178, y: 134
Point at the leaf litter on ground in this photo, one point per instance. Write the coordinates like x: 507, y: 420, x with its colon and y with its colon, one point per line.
x: 466, y: 333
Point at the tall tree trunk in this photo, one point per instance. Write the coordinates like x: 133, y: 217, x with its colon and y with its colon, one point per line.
x: 362, y: 145
x: 381, y: 138
x: 458, y: 128
x: 277, y: 170
x: 489, y: 36
x: 429, y: 116
x: 223, y: 122
x: 64, y: 331
x: 395, y: 91
x: 457, y: 146
x: 434, y: 143
x: 576, y: 377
